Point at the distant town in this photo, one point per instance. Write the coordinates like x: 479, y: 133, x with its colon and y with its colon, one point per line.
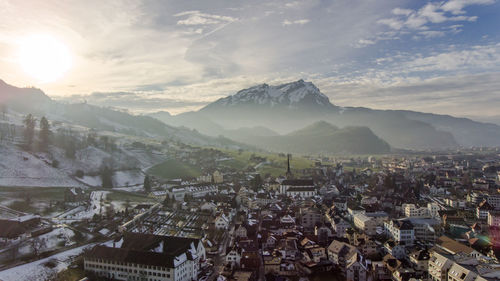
x: 411, y: 216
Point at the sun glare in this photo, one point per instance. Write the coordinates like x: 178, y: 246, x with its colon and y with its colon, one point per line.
x: 44, y: 58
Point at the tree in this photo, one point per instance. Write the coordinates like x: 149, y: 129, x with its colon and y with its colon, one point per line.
x: 44, y: 133
x: 106, y: 172
x: 37, y: 244
x: 256, y: 183
x: 147, y: 184
x: 29, y: 132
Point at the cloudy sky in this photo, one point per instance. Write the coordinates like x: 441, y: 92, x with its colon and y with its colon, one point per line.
x: 432, y: 56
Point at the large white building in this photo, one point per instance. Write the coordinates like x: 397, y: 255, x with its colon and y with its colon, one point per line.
x: 298, y: 188
x: 412, y: 211
x: 147, y: 257
x: 196, y: 191
x: 400, y: 231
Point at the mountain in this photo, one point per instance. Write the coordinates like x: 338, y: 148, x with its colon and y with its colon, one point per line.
x: 34, y: 101
x: 288, y: 107
x: 294, y: 95
x: 324, y: 138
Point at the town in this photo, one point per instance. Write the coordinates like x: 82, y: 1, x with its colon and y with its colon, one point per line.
x: 425, y: 216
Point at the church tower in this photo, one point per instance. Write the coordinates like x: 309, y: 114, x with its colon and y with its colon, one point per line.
x: 288, y: 170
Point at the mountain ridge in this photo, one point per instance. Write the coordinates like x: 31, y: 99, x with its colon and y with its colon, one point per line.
x: 270, y: 107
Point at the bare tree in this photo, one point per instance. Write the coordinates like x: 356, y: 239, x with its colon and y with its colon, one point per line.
x: 37, y: 244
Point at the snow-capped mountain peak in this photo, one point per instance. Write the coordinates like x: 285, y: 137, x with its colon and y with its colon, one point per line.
x: 294, y: 95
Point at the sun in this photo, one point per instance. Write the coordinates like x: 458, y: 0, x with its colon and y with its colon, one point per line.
x: 44, y: 58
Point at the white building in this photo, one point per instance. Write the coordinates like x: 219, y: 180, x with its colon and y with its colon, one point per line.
x: 365, y: 223
x: 400, y: 231
x: 494, y: 218
x: 298, y: 187
x: 222, y: 222
x: 196, y: 191
x: 340, y: 226
x: 412, y: 211
x: 147, y: 257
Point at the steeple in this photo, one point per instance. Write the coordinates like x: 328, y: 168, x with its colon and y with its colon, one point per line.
x: 288, y: 171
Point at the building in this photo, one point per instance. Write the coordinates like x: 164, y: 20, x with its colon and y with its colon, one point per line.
x: 426, y: 229
x: 454, y: 247
x: 341, y: 254
x: 197, y: 191
x: 298, y: 188
x: 147, y: 257
x: 494, y: 218
x: 483, y: 209
x: 12, y: 229
x: 340, y: 226
x: 221, y: 222
x: 412, y: 211
x: 400, y: 231
x: 218, y: 177
x: 234, y: 256
x: 357, y: 270
x: 365, y: 224
x: 439, y: 265
x: 310, y: 217
x: 395, y: 249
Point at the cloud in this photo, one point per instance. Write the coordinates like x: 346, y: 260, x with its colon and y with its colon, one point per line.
x: 138, y: 102
x: 456, y: 6
x: 477, y: 58
x: 199, y: 18
x: 401, y: 12
x: 182, y: 54
x: 427, y: 21
x: 363, y: 43
x: 431, y: 33
x: 463, y: 95
x: 295, y: 22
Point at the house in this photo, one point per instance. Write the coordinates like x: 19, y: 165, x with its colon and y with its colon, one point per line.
x: 426, y: 229
x: 240, y: 231
x: 341, y: 254
x: 494, y: 218
x: 454, y: 247
x: 357, y: 270
x: 233, y: 257
x: 208, y: 207
x: 340, y: 226
x: 439, y: 265
x: 136, y: 256
x: 420, y: 262
x: 365, y: 244
x: 221, y: 222
x: 310, y: 217
x: 400, y: 231
x: 323, y: 233
x: 271, y: 264
x: 483, y: 209
x: 365, y: 224
x: 12, y: 229
x: 270, y: 242
x: 395, y: 249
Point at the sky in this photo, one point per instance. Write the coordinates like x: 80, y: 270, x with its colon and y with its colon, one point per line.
x: 145, y: 56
